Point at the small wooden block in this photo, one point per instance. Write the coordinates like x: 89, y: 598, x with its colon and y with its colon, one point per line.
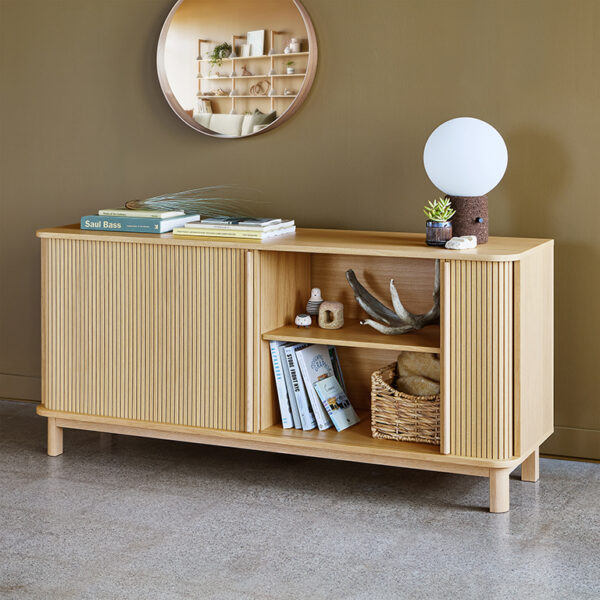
x: 499, y: 490
x: 530, y: 469
x: 55, y: 438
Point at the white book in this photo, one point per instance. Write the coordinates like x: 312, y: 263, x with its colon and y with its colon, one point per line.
x: 150, y: 214
x: 336, y: 403
x: 246, y: 221
x: 230, y: 226
x: 315, y: 364
x: 290, y: 387
x: 284, y: 404
x: 304, y: 408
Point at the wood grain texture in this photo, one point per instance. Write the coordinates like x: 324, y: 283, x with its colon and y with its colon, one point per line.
x: 499, y: 490
x: 413, y: 278
x: 360, y: 336
x: 282, y: 287
x: 328, y: 241
x: 55, y: 438
x: 139, y: 331
x: 481, y: 359
x: 446, y: 349
x: 534, y: 349
x: 358, y: 446
x: 530, y: 467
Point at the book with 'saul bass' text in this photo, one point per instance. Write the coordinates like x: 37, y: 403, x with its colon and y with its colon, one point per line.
x: 134, y: 224
x: 304, y: 408
x: 315, y: 364
x: 336, y: 403
x: 284, y: 403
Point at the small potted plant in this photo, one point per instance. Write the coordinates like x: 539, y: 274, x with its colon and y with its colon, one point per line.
x: 218, y: 54
x: 290, y: 67
x: 438, y: 226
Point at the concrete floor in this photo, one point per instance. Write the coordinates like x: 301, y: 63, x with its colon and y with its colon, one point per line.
x: 121, y: 517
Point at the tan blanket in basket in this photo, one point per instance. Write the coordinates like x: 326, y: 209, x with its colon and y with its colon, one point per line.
x: 418, y: 373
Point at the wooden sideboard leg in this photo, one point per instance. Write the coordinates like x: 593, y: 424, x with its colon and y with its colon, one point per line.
x: 530, y: 469
x: 55, y: 438
x: 499, y: 490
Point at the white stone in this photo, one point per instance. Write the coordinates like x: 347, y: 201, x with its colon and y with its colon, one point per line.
x: 462, y: 243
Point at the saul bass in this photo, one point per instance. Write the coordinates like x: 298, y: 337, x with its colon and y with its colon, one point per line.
x: 102, y: 224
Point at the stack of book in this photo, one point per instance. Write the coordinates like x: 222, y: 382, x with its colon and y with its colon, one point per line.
x: 137, y: 221
x: 237, y: 227
x: 310, y: 387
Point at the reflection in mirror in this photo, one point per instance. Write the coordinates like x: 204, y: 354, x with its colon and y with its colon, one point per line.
x: 234, y: 68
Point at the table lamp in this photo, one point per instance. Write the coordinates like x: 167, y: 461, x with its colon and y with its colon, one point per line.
x: 466, y: 158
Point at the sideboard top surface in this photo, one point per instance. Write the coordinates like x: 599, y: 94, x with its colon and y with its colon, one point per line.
x: 324, y: 241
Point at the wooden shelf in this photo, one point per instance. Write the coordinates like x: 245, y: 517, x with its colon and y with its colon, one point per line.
x: 205, y: 60
x: 242, y: 96
x: 357, y: 436
x: 250, y: 76
x: 355, y: 335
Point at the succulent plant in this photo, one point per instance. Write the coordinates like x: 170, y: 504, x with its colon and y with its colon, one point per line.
x: 439, y: 210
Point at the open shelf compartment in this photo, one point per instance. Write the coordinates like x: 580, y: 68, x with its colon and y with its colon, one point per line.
x: 282, y: 292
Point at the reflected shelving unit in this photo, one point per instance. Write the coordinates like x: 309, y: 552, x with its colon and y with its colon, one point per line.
x: 272, y: 68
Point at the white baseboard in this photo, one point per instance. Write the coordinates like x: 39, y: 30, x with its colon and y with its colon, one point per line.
x: 20, y: 387
x: 573, y: 442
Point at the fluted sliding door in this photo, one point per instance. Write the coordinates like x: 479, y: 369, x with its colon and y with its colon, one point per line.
x: 142, y: 331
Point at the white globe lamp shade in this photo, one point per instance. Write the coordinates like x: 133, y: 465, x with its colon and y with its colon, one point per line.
x: 465, y: 157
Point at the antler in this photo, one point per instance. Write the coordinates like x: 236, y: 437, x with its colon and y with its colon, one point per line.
x: 399, y: 320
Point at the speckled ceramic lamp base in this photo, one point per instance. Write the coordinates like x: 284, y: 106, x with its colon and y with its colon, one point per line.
x: 471, y: 216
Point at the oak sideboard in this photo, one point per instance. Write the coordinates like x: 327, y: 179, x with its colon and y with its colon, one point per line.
x: 163, y: 337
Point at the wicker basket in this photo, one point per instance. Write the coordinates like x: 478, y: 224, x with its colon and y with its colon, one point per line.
x: 399, y: 416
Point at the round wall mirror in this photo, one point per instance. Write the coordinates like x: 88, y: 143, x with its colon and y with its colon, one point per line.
x: 235, y: 68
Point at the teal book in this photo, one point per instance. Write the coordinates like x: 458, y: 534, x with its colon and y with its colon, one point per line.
x: 134, y: 224
x: 336, y: 403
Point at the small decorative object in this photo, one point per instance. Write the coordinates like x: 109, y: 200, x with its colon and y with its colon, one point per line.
x: 256, y: 40
x: 438, y: 225
x: 466, y: 158
x: 220, y: 92
x: 287, y: 92
x: 287, y: 50
x: 331, y: 315
x: 290, y: 67
x: 245, y: 72
x: 303, y: 320
x: 260, y: 88
x: 399, y: 320
x: 294, y: 45
x: 462, y: 242
x: 315, y: 300
x: 218, y: 54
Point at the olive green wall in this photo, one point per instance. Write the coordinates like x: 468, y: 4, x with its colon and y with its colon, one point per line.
x: 84, y: 126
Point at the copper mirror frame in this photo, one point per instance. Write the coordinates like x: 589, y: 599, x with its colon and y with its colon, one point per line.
x: 311, y: 70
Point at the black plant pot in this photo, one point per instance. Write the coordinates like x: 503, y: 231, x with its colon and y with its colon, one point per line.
x: 438, y: 232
